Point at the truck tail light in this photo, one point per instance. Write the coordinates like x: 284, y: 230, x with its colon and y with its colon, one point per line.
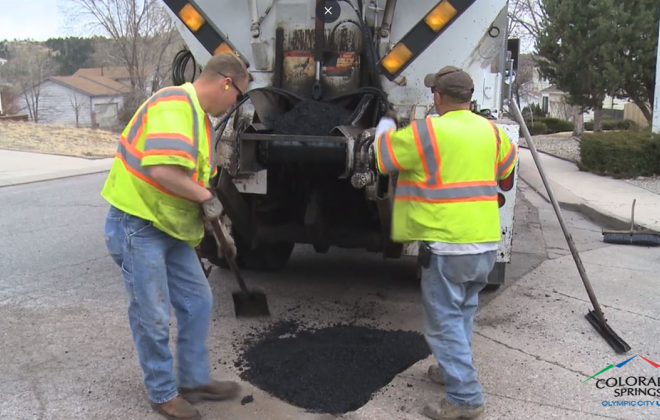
x: 191, y: 17
x: 223, y: 48
x: 500, y: 199
x: 440, y: 16
x: 396, y: 58
x: 421, y: 36
x: 507, y: 183
x: 202, y: 27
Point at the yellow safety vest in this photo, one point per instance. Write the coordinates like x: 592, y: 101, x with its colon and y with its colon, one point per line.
x: 170, y: 128
x: 448, y: 168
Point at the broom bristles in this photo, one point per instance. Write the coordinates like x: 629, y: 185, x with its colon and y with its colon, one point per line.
x: 642, y: 239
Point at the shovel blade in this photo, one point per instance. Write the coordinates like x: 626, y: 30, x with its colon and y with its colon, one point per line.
x: 608, y: 334
x: 250, y: 305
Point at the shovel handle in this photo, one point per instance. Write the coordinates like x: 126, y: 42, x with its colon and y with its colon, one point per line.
x: 231, y: 259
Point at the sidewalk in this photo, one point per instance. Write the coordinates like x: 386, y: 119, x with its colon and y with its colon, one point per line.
x: 25, y: 167
x: 603, y: 199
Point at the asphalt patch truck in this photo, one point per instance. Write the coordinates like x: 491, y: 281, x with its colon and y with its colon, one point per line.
x: 295, y: 155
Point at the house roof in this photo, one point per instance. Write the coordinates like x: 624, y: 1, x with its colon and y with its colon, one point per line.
x: 92, y: 85
x: 552, y: 89
x: 114, y: 73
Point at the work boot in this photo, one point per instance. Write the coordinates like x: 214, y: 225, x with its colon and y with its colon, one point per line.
x: 435, y: 375
x: 214, y: 391
x: 447, y: 411
x: 177, y: 409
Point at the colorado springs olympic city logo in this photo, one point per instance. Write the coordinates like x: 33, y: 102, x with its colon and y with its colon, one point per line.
x: 630, y: 386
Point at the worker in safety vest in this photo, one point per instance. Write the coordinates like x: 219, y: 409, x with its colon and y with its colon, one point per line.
x: 446, y: 198
x: 157, y: 189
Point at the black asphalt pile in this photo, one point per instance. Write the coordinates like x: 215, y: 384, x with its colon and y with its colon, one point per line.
x: 311, y: 118
x: 332, y: 370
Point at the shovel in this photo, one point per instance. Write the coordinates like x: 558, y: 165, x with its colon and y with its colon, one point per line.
x: 595, y: 317
x: 246, y: 304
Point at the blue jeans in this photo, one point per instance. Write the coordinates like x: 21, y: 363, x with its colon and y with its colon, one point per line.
x: 159, y: 270
x: 450, y: 292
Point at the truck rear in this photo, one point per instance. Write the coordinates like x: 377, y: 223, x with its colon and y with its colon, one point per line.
x: 296, y: 155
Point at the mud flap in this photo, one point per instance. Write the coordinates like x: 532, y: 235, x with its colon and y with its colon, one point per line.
x: 496, y: 277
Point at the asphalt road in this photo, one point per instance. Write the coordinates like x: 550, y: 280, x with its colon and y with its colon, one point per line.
x: 64, y: 337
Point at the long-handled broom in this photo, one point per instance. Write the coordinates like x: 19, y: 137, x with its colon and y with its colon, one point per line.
x: 632, y: 236
x: 595, y: 317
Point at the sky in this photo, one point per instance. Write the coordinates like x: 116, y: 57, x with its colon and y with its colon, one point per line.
x: 35, y: 19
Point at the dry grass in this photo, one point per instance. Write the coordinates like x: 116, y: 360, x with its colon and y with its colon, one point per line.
x: 57, y: 139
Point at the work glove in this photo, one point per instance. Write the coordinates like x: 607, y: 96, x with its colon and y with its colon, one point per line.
x: 386, y: 124
x: 213, y: 210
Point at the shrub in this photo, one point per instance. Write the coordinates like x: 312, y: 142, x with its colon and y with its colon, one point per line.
x: 537, y: 128
x: 621, y: 154
x: 555, y: 125
x: 535, y: 110
x: 609, y: 125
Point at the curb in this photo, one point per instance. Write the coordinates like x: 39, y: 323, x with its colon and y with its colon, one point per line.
x: 569, y: 201
x: 43, y: 178
x: 599, y: 216
x: 57, y: 154
x: 551, y: 154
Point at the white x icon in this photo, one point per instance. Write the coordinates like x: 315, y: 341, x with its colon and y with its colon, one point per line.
x: 328, y: 10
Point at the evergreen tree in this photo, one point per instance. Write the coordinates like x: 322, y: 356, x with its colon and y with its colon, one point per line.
x: 636, y: 45
x: 71, y: 53
x: 576, y: 52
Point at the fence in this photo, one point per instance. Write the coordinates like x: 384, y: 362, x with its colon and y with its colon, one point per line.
x: 632, y: 112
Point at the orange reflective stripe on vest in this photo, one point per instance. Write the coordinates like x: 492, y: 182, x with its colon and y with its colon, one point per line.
x: 386, y: 159
x: 161, y: 143
x: 509, y: 160
x: 433, y: 189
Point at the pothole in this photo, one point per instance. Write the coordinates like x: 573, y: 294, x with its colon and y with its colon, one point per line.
x: 332, y: 369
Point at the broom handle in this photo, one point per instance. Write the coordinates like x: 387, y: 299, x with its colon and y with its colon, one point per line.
x: 224, y: 246
x: 632, y: 217
x: 560, y: 216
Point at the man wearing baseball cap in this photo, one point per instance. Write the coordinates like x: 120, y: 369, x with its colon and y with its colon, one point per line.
x: 446, y: 198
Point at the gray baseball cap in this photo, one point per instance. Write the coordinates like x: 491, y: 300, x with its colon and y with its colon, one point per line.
x: 451, y: 81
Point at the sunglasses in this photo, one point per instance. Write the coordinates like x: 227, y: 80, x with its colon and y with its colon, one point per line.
x: 240, y: 94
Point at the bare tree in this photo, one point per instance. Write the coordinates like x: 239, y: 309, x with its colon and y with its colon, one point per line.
x: 523, y: 87
x: 526, y: 18
x: 78, y: 103
x: 142, y: 33
x: 29, y: 66
x: 562, y: 109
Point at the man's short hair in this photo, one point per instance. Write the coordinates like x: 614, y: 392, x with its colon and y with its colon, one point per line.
x: 225, y: 64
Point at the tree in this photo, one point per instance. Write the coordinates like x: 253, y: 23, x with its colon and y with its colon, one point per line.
x: 526, y: 18
x: 30, y: 65
x: 523, y: 85
x: 575, y: 50
x: 636, y: 45
x: 71, y: 53
x: 77, y: 103
x: 141, y: 32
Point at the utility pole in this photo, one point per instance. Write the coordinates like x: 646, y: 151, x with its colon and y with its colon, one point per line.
x: 656, y: 97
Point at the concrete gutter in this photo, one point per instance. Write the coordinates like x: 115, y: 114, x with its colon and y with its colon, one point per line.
x: 604, y: 200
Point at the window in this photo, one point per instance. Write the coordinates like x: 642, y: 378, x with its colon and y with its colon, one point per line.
x: 545, y: 105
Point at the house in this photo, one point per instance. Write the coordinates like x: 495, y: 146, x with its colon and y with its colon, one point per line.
x: 534, y: 89
x: 91, y: 101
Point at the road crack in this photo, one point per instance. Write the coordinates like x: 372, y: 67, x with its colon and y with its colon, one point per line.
x: 599, y: 415
x: 603, y: 305
x: 559, y: 365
